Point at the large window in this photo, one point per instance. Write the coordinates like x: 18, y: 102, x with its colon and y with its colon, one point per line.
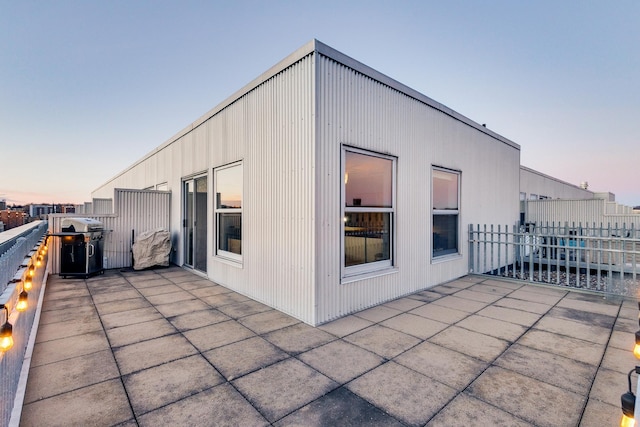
x: 228, y: 211
x: 368, y: 211
x: 445, y: 192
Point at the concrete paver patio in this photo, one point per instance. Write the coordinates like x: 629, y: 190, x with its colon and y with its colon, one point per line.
x: 167, y: 347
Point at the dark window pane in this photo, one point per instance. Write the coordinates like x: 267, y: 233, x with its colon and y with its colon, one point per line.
x: 230, y: 232
x: 368, y: 180
x: 367, y: 237
x: 445, y: 235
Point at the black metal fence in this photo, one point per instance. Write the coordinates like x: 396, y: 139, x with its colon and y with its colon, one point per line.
x: 596, y: 258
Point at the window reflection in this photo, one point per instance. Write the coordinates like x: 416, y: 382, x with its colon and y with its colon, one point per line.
x: 368, y: 180
x: 367, y: 237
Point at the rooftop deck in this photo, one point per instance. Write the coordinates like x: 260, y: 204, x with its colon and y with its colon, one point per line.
x: 167, y: 347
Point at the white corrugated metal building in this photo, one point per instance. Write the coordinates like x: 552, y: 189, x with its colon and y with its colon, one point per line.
x: 324, y: 187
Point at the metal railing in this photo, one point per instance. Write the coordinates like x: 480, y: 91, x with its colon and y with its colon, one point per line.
x: 597, y: 258
x: 18, y: 248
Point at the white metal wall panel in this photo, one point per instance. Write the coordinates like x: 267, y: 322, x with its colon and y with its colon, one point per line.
x: 534, y: 182
x: 102, y: 206
x: 360, y: 111
x: 594, y: 211
x: 271, y: 130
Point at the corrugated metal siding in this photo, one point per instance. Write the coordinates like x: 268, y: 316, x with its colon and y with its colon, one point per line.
x: 534, y: 182
x: 136, y: 210
x: 271, y: 130
x: 102, y: 206
x: 357, y: 110
x: 594, y: 211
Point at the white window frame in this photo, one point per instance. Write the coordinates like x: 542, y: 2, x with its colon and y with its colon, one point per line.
x: 217, y: 211
x: 370, y: 268
x: 443, y: 212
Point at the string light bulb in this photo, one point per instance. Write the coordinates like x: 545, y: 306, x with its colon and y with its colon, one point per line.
x: 23, y: 301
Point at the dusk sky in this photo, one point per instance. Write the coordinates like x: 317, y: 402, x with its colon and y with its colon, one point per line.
x: 89, y: 87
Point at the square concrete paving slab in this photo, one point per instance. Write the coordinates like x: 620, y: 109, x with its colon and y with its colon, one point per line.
x: 115, y: 297
x: 67, y: 303
x: 54, y: 331
x: 138, y: 332
x: 153, y: 282
x: 493, y: 289
x: 242, y: 357
x: 130, y: 317
x: 146, y: 354
x: 609, y: 386
x: 573, y: 329
x: 267, y: 321
x: 383, y: 341
x: 67, y: 348
x: 572, y: 348
x: 198, y: 319
x: 408, y: 396
x: 217, y: 335
x: 341, y: 361
x: 126, y: 305
x: 462, y: 283
x: 483, y: 347
x: 209, y: 291
x: 586, y: 317
x: 619, y: 360
x: 188, y: 306
x: 440, y: 313
x: 598, y: 414
x: 170, y: 298
x: 159, y: 290
x: 535, y: 401
x: 493, y: 327
x: 195, y: 284
x: 622, y: 340
x: 528, y: 294
x: 518, y: 317
x: 442, y: 364
x: 551, y: 368
x: 54, y: 294
x: 547, y: 289
x: 466, y: 410
x: 338, y: 408
x: 403, y: 304
x: 70, y: 374
x: 345, y: 325
x: 479, y: 296
x: 103, y: 404
x: 599, y: 307
x: 243, y: 309
x: 296, y: 385
x: 98, y: 289
x: 626, y: 325
x: 446, y: 289
x: 426, y: 296
x: 461, y: 304
x: 158, y: 386
x: 219, y: 406
x: 219, y: 300
x: 378, y: 313
x: 417, y: 326
x: 81, y: 314
x: 518, y: 304
x: 298, y: 338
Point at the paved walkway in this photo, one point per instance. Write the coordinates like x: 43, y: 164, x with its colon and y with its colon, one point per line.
x: 166, y: 347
